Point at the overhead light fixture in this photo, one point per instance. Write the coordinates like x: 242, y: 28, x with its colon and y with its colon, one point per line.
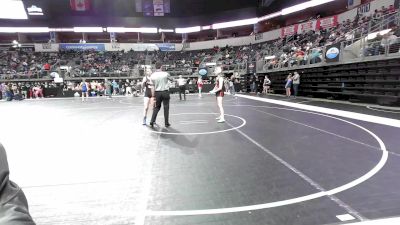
x: 24, y: 30
x: 152, y: 30
x: 35, y: 11
x: 88, y: 29
x: 187, y: 30
x: 208, y: 27
x: 12, y: 9
x: 166, y: 30
x: 270, y: 16
x: 61, y: 29
x: 302, y: 6
x: 235, y: 23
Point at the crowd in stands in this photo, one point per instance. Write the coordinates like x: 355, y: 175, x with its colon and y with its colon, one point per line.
x: 28, y: 90
x: 298, y: 49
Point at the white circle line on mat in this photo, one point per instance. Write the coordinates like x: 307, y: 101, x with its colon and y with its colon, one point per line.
x: 333, y: 191
x: 200, y: 133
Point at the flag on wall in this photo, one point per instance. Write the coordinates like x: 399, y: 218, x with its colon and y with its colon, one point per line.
x: 80, y: 5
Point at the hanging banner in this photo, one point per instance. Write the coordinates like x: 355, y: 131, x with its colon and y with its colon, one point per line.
x: 333, y: 53
x: 113, y: 37
x: 287, y: 31
x: 327, y: 22
x: 82, y: 47
x: 80, y: 5
x: 52, y: 36
x: 307, y: 26
x: 158, y: 6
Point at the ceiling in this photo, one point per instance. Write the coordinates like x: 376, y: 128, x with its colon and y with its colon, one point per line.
x: 184, y: 13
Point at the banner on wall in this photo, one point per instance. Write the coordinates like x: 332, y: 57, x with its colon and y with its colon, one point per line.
x: 327, y: 22
x: 164, y: 47
x: 46, y: 47
x: 366, y: 8
x: 285, y: 31
x: 333, y: 53
x: 82, y: 47
x: 307, y: 26
x: 258, y: 36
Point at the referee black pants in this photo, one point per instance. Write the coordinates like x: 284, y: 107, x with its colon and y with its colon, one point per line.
x: 182, y: 89
x: 161, y: 97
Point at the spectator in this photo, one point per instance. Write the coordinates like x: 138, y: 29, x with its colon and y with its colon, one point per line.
x: 266, y: 84
x: 296, y: 83
x: 288, y: 85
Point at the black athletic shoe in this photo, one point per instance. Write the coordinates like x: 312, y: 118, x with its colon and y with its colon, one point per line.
x: 167, y: 125
x: 151, y: 124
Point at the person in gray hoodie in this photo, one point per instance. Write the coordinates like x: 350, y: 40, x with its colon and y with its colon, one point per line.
x: 13, y: 203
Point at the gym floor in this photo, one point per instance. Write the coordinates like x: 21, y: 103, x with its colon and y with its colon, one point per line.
x: 275, y: 161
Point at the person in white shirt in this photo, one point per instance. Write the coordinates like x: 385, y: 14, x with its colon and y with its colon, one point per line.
x: 219, y: 91
x: 182, y: 87
x: 161, y: 89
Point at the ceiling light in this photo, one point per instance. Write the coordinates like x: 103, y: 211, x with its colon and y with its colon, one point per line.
x: 24, y: 30
x: 12, y: 9
x: 61, y: 29
x: 135, y: 30
x: 235, y: 23
x: 165, y: 30
x: 187, y: 30
x: 208, y: 27
x: 270, y: 16
x: 88, y: 29
x: 302, y: 6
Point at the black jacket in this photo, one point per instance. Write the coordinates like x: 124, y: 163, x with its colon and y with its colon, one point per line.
x: 13, y: 203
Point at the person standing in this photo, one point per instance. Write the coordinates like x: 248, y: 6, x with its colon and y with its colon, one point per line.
x: 182, y: 87
x: 232, y: 86
x: 266, y: 85
x: 253, y: 85
x: 108, y: 90
x: 148, y: 98
x: 296, y: 83
x: 85, y: 90
x: 219, y: 91
x: 288, y: 85
x: 1, y: 91
x: 161, y: 90
x: 200, y: 85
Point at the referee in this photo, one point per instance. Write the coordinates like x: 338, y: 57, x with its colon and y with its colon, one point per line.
x: 161, y: 89
x: 182, y: 88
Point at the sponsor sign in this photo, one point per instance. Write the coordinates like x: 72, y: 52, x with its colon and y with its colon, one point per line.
x: 82, y: 47
x: 288, y: 31
x: 327, y: 22
x: 166, y: 47
x: 332, y: 53
x: 307, y: 26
